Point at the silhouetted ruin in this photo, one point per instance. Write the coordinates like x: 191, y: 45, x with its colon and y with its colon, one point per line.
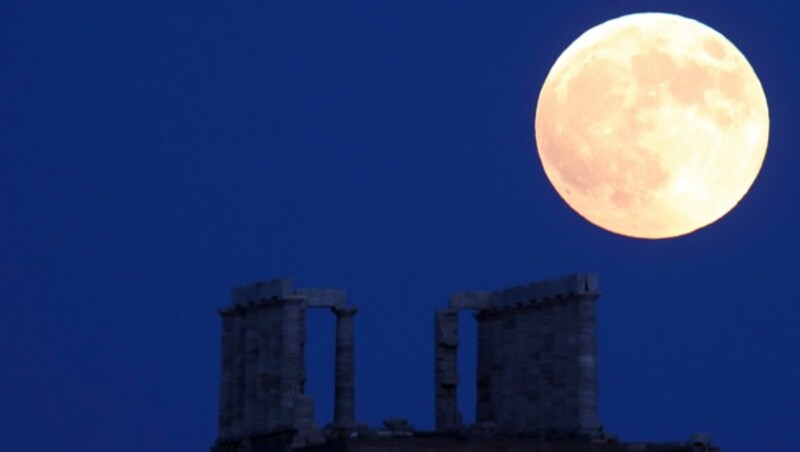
x: 536, y: 375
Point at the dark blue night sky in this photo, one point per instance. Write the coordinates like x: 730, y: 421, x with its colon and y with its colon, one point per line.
x: 155, y: 154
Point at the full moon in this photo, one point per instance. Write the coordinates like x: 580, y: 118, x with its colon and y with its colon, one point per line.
x: 652, y: 125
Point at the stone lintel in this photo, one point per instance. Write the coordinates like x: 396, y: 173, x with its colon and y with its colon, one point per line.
x: 225, y: 312
x: 472, y: 300
x: 568, y: 286
x: 322, y: 298
x: 281, y: 289
x: 344, y: 310
x: 264, y: 290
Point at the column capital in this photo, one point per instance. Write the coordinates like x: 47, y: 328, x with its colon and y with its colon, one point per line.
x: 344, y: 310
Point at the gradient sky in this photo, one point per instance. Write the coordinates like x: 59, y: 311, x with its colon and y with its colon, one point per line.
x: 155, y: 154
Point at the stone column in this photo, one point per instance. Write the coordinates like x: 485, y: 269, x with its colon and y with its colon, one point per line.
x: 588, y: 419
x: 344, y: 409
x: 227, y: 374
x: 292, y: 367
x: 250, y: 369
x: 446, y: 376
x: 266, y: 314
x: 237, y: 374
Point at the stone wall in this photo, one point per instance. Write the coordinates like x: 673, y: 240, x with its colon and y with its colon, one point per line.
x: 263, y: 368
x: 262, y: 385
x: 536, y: 368
x: 536, y: 372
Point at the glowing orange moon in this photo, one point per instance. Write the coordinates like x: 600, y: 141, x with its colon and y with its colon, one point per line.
x: 652, y: 125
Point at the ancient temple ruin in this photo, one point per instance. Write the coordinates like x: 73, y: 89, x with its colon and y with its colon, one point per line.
x: 263, y: 363
x: 536, y: 371
x: 536, y: 375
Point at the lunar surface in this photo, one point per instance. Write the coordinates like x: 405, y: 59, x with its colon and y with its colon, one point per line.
x: 652, y: 125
